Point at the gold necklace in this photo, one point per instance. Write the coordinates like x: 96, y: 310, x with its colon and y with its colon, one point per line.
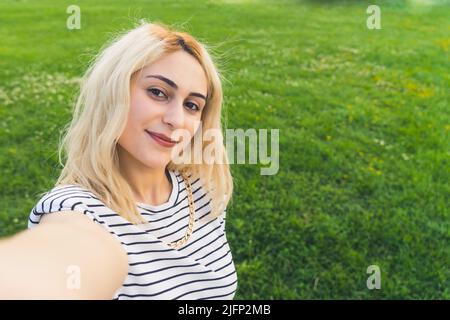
x: 179, y: 243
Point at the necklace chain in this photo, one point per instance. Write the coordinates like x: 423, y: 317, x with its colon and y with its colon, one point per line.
x: 179, y: 243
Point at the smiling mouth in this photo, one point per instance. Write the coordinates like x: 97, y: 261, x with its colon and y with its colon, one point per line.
x: 161, y: 139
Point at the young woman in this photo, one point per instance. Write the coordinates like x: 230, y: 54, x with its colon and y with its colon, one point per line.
x: 125, y: 221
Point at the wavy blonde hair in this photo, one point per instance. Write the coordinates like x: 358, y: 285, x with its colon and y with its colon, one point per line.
x: 100, y: 113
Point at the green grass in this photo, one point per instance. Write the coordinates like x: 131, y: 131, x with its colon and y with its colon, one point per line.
x: 364, y: 133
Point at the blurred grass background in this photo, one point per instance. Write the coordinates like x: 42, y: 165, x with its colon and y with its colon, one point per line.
x: 364, y: 132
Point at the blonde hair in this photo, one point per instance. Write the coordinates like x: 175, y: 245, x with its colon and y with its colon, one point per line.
x: 101, y: 110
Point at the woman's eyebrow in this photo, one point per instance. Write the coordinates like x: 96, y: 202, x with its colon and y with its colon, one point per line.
x: 174, y: 85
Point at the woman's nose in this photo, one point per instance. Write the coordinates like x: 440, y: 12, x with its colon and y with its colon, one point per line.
x: 174, y: 114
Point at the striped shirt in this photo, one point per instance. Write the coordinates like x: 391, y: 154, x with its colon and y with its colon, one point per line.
x: 202, y: 268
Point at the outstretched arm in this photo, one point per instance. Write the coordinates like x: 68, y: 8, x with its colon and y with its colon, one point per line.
x: 67, y: 256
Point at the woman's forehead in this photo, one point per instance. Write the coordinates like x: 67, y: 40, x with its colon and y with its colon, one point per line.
x: 180, y: 68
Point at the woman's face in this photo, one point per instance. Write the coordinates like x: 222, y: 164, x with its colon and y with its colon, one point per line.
x: 167, y: 95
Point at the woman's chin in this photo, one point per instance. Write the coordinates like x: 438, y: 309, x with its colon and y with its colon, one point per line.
x: 162, y: 162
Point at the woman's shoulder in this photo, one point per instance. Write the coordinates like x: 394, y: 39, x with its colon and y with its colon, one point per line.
x: 62, y: 195
x: 68, y: 197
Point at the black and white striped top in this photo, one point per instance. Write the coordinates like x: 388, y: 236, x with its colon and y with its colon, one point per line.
x: 202, y: 268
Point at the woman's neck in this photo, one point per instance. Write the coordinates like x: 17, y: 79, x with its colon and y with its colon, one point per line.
x: 149, y: 185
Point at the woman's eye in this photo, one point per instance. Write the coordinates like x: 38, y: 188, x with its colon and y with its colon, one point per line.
x: 193, y: 106
x: 156, y: 92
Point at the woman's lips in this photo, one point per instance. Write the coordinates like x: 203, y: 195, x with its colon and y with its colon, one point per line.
x: 161, y: 141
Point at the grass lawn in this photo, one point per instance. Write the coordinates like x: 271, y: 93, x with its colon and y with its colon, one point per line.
x: 364, y: 133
